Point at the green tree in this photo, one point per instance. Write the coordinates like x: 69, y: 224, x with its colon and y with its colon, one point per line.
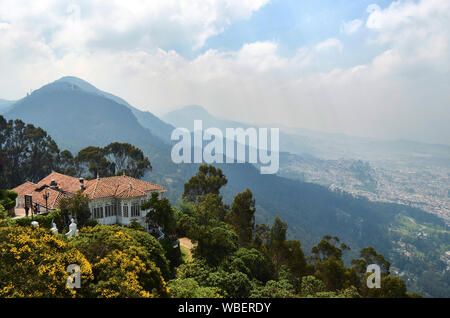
x: 160, y: 213
x: 135, y: 225
x: 77, y: 206
x: 7, y: 201
x: 391, y: 287
x: 189, y: 288
x: 252, y: 263
x: 311, y: 286
x: 369, y: 255
x: 128, y: 159
x: 262, y: 235
x: 274, y: 289
x: 327, y: 249
x: 209, y: 179
x: 91, y: 162
x: 27, y: 152
x: 235, y: 284
x: 66, y: 163
x: 242, y: 217
x: 214, y: 243
x: 296, y: 262
x: 277, y: 242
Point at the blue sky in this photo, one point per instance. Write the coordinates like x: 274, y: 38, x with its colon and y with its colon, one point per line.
x: 293, y: 23
x: 361, y: 67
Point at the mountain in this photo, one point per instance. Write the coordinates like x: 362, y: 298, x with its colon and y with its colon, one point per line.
x: 300, y: 141
x: 400, y: 171
x: 5, y: 105
x: 77, y: 116
x: 147, y: 120
x: 185, y: 116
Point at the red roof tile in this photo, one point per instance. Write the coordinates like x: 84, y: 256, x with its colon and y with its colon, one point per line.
x: 119, y: 186
x: 25, y: 188
x: 64, y: 182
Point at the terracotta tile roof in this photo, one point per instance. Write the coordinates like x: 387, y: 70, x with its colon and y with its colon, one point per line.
x: 64, y: 182
x: 53, y: 198
x: 25, y: 188
x: 119, y: 186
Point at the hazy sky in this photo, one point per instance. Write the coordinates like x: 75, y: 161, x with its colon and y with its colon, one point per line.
x: 367, y: 68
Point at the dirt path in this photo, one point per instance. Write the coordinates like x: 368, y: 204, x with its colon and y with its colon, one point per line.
x: 188, y: 245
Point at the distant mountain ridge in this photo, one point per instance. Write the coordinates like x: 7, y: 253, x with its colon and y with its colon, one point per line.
x: 145, y: 118
x: 321, y: 144
x: 74, y: 116
x: 5, y: 105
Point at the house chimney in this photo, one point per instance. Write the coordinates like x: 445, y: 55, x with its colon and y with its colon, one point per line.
x: 53, y: 184
x: 82, y: 187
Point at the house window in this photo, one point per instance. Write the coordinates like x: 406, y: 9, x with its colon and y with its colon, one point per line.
x: 109, y: 210
x: 98, y: 213
x: 115, y: 209
x: 125, y: 210
x: 135, y: 210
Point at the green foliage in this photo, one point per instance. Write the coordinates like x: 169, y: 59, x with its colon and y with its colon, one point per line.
x: 189, y: 288
x: 161, y: 213
x: 27, y: 153
x: 197, y: 269
x: 135, y: 225
x: 45, y: 221
x: 8, y: 199
x: 113, y: 160
x: 311, y: 286
x: 91, y: 162
x: 67, y: 163
x: 274, y: 289
x: 214, y: 243
x: 77, y: 206
x: 3, y: 213
x: 242, y: 216
x: 327, y: 249
x: 235, y: 284
x: 252, y: 263
x: 128, y: 159
x: 391, y: 287
x: 277, y: 242
x: 208, y: 180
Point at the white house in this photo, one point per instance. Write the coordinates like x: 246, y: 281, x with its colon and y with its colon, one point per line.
x: 112, y: 200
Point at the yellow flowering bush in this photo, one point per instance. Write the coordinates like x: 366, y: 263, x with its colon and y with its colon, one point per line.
x: 125, y: 262
x: 33, y: 263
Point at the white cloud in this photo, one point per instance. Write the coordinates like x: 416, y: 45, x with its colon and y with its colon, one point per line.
x: 135, y: 23
x: 329, y: 44
x: 351, y: 27
x: 402, y: 93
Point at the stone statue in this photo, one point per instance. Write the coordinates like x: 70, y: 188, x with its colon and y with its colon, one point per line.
x: 54, y: 229
x: 72, y: 229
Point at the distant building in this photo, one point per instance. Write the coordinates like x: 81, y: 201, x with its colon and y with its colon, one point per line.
x: 112, y: 200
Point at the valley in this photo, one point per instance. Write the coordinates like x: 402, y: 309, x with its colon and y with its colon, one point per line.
x: 426, y: 188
